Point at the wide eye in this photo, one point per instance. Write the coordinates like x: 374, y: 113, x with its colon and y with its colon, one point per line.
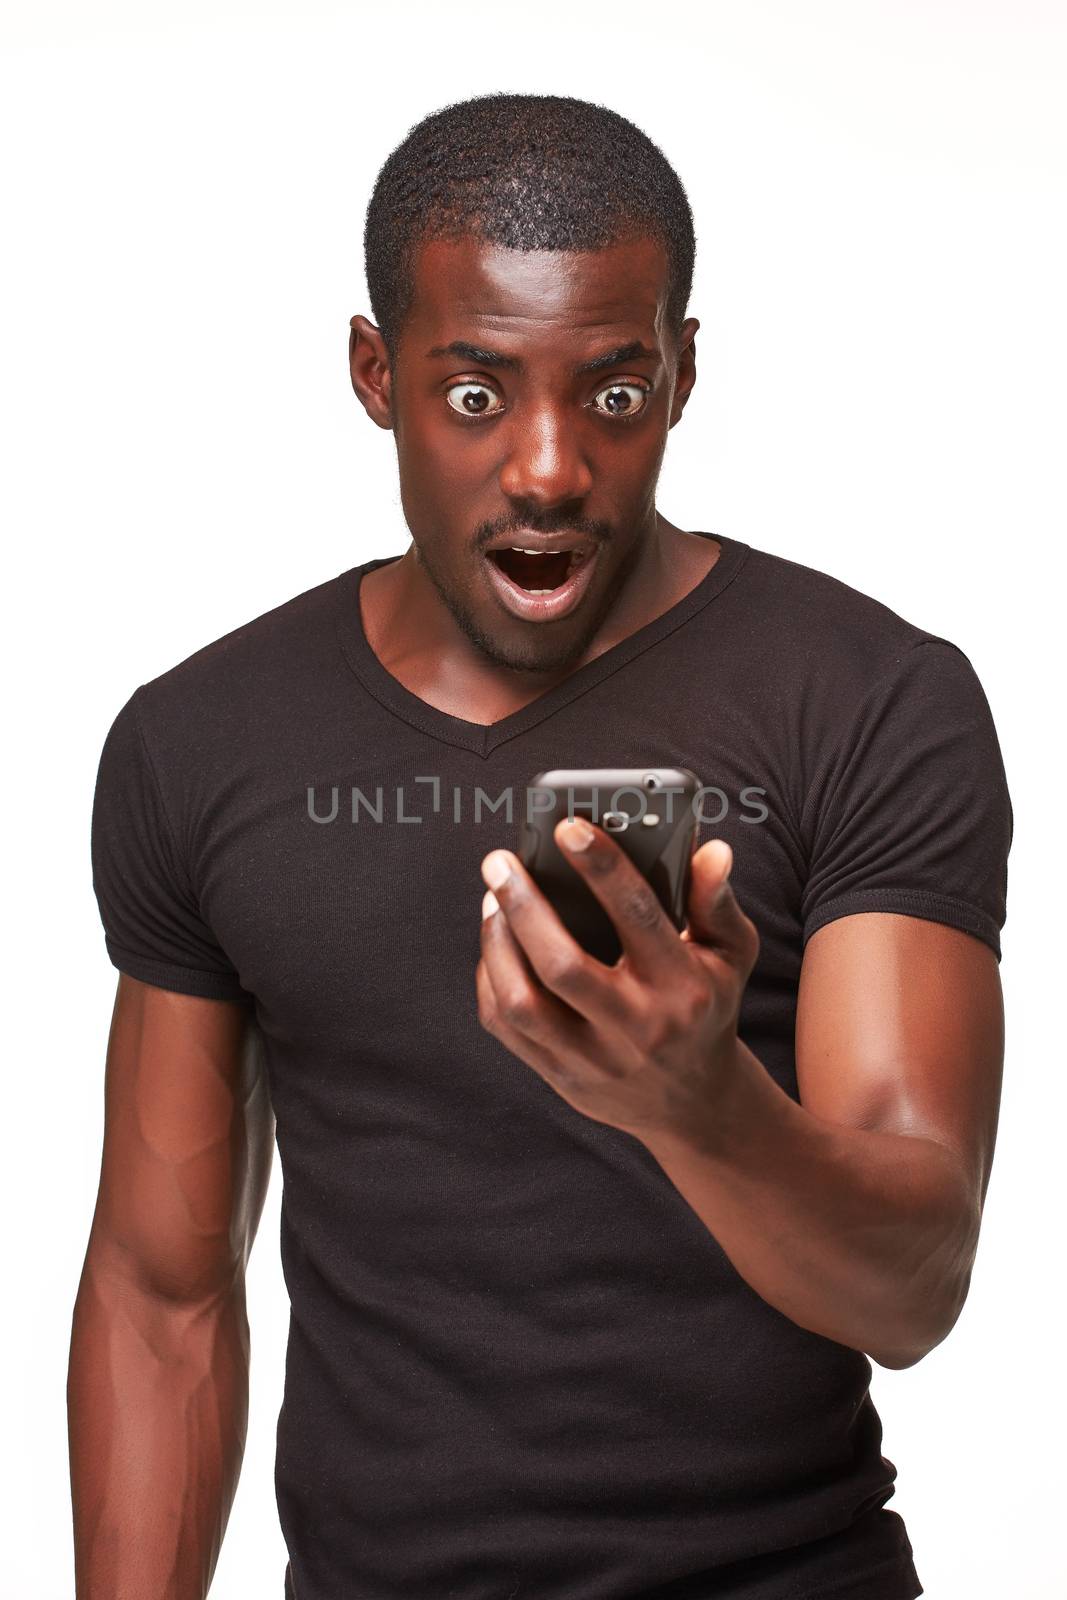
x: 474, y: 399
x: 621, y: 400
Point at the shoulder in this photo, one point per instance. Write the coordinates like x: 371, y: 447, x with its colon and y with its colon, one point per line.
x: 831, y: 639
x: 298, y: 624
x: 835, y: 616
x: 828, y: 682
x: 268, y: 662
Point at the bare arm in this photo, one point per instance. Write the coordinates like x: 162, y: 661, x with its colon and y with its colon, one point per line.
x: 157, y: 1389
x: 857, y: 1212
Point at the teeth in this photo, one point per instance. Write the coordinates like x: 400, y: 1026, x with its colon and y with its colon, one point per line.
x: 524, y: 552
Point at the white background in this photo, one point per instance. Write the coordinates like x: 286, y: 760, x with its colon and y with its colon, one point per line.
x: 879, y: 195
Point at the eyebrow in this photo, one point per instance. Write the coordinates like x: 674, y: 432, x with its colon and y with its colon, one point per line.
x: 473, y: 353
x: 618, y: 358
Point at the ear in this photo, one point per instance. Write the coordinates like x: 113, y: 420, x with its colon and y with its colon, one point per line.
x: 372, y: 378
x: 687, y: 368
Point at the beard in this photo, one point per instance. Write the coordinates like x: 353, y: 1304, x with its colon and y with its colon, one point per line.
x: 542, y: 650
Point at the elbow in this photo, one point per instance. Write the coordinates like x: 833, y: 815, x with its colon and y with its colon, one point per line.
x: 897, y: 1357
x: 931, y: 1321
x: 909, y: 1351
x: 897, y: 1360
x: 923, y: 1318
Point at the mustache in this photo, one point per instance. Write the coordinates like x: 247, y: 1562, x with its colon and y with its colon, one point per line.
x: 559, y: 521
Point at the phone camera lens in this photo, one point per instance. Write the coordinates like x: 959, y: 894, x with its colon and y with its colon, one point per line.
x: 616, y: 821
x: 651, y: 781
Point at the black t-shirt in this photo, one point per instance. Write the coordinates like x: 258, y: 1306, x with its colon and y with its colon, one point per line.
x: 519, y: 1365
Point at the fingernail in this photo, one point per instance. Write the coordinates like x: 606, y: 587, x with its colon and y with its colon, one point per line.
x: 496, y: 869
x: 490, y: 903
x: 577, y: 835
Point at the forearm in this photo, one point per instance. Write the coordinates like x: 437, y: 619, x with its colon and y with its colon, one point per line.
x: 864, y: 1237
x: 157, y: 1407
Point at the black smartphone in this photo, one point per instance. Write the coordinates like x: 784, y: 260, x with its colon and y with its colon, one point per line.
x: 650, y: 814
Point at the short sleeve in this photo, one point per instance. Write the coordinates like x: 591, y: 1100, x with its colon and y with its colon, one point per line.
x: 153, y: 929
x: 911, y: 812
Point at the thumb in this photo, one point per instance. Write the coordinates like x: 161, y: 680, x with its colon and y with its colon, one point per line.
x: 715, y: 917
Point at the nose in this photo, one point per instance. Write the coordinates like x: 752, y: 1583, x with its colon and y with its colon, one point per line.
x: 546, y: 464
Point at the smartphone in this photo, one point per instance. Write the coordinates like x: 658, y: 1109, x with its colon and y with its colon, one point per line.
x: 648, y: 811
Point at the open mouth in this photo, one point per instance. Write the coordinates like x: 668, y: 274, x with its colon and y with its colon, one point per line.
x: 542, y: 585
x: 538, y: 572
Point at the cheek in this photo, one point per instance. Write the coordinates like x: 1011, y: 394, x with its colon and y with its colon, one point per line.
x: 423, y: 452
x: 446, y: 481
x: 624, y: 466
x: 453, y: 461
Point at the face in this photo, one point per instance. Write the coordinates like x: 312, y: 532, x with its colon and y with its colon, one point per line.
x: 530, y: 402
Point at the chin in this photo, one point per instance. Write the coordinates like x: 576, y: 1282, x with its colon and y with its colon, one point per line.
x: 534, y: 654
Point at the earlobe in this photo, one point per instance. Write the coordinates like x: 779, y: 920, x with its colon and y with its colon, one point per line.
x: 368, y: 364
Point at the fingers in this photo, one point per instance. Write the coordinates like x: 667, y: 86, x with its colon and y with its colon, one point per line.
x: 517, y: 1011
x: 556, y: 957
x: 648, y: 936
x: 716, y: 920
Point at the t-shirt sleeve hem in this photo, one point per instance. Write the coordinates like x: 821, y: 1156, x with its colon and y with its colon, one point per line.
x: 182, y: 980
x: 912, y: 903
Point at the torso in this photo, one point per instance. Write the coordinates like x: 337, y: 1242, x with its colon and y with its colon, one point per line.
x: 510, y: 1334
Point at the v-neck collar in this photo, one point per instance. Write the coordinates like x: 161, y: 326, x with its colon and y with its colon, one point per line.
x: 483, y: 738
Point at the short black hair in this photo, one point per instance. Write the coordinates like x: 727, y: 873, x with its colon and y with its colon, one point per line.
x: 530, y: 172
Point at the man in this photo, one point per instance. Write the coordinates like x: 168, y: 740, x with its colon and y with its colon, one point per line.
x: 586, y: 1263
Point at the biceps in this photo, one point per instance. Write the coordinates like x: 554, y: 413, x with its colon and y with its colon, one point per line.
x: 900, y: 1028
x: 179, y: 1164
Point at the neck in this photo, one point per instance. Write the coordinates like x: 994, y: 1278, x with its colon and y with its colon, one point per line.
x: 413, y: 633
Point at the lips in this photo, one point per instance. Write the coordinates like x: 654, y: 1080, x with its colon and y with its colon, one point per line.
x: 538, y: 578
x: 542, y: 543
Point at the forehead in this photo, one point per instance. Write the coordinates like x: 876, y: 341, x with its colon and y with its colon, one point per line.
x: 469, y: 284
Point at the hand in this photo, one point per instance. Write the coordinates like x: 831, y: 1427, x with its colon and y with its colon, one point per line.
x: 645, y: 1045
